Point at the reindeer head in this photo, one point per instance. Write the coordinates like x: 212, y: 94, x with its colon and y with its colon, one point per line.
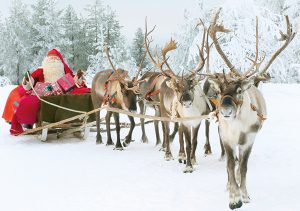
x: 184, y: 85
x: 229, y: 88
x: 126, y: 89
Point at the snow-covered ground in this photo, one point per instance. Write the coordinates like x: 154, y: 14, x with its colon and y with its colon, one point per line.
x: 76, y: 175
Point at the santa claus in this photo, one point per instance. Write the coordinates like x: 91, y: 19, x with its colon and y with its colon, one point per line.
x: 22, y: 107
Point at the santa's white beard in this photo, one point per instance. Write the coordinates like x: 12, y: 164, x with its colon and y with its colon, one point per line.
x: 53, y: 69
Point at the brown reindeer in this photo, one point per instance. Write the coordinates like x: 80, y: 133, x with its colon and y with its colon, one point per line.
x: 241, y: 110
x: 180, y: 96
x: 149, y: 92
x: 115, y: 88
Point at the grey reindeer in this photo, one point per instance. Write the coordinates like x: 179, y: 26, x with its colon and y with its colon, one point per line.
x: 181, y: 96
x: 241, y: 110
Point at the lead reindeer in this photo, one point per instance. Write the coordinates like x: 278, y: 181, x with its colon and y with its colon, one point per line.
x: 241, y: 110
x: 115, y: 88
x: 181, y: 96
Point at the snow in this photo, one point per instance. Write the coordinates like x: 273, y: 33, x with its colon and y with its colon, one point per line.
x: 71, y: 174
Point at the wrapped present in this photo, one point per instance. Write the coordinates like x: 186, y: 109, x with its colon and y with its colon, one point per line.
x: 41, y: 88
x: 53, y: 89
x: 47, y: 89
x: 66, y: 82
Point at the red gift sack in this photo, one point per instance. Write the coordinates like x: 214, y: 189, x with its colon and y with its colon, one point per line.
x: 66, y: 82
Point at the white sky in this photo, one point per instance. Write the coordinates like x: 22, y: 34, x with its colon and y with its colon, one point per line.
x: 166, y: 14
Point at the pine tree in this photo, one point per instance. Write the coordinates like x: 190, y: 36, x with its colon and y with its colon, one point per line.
x: 138, y: 49
x: 109, y: 35
x: 47, y: 30
x: 16, y: 42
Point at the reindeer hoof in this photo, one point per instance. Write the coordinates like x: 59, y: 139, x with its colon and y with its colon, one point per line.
x: 144, y: 140
x: 109, y: 143
x: 193, y: 161
x: 126, y: 144
x: 222, y: 158
x: 246, y: 199
x: 119, y: 148
x: 162, y: 149
x: 168, y: 156
x: 235, y: 205
x: 181, y: 158
x: 188, y: 169
x: 99, y: 140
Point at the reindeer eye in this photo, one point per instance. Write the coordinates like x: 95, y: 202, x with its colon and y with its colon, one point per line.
x: 239, y: 90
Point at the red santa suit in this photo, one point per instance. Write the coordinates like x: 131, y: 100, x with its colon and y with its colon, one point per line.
x: 53, y: 68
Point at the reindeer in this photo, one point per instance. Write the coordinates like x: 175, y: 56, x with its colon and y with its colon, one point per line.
x: 241, y: 110
x: 149, y: 97
x: 115, y: 88
x: 182, y: 96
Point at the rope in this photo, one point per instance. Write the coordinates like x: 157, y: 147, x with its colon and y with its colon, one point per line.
x: 128, y: 113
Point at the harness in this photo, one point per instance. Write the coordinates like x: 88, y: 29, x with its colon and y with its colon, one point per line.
x: 151, y: 92
x: 112, y: 99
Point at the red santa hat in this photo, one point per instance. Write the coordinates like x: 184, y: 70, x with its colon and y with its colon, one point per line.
x: 55, y: 52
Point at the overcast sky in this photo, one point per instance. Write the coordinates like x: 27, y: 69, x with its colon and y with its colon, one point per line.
x: 166, y: 14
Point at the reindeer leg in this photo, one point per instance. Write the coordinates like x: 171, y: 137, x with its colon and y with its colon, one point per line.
x: 235, y: 200
x: 187, y: 133
x: 207, y: 147
x: 163, y: 145
x: 222, y: 147
x: 194, y: 144
x: 244, y: 153
x: 181, y: 155
x: 117, y: 121
x: 128, y: 138
x: 143, y: 111
x: 156, y: 126
x: 168, y: 154
x: 107, y: 120
x: 172, y: 136
x: 99, y: 137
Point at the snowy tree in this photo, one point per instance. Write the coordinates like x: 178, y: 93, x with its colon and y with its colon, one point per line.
x: 47, y: 30
x: 16, y: 42
x: 109, y: 35
x: 138, y: 49
x: 75, y: 49
x: 239, y: 17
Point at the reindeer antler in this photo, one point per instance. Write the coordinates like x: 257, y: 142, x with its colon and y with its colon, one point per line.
x: 288, y: 37
x: 200, y: 49
x: 214, y: 29
x: 108, y: 56
x: 170, y: 46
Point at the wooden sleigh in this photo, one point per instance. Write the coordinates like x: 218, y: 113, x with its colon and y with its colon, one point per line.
x: 52, y: 119
x: 60, y: 121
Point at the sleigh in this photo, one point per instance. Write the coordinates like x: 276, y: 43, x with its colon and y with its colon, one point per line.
x: 60, y: 121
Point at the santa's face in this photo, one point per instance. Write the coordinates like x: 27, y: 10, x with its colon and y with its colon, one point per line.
x: 53, y: 69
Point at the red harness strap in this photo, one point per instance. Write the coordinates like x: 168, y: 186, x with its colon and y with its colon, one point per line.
x: 152, y: 85
x: 151, y: 94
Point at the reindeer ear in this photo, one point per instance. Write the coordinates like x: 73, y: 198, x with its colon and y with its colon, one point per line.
x: 170, y: 84
x: 214, y: 84
x: 246, y: 84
